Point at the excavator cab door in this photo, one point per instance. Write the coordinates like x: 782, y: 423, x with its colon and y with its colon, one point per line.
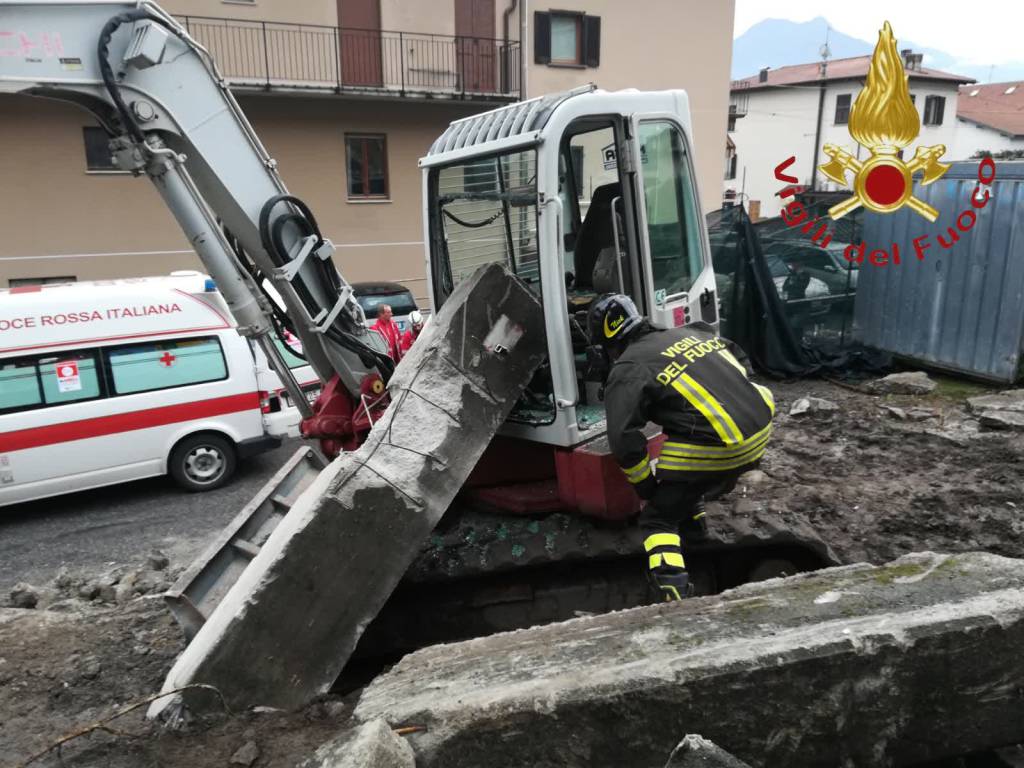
x: 678, y: 279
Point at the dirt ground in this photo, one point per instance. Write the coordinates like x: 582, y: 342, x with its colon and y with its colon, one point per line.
x: 875, y: 486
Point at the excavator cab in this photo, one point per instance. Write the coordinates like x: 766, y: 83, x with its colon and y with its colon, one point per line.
x: 579, y: 194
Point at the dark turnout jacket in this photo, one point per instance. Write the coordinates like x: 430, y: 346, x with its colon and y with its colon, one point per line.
x: 694, y: 385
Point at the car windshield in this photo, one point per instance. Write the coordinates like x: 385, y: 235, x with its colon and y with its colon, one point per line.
x: 401, y: 303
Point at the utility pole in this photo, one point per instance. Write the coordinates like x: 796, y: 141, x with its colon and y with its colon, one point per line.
x: 825, y: 52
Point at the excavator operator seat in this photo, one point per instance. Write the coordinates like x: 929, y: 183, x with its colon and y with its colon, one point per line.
x: 595, y: 235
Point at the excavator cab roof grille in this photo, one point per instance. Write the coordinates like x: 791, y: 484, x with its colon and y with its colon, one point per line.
x: 522, y: 119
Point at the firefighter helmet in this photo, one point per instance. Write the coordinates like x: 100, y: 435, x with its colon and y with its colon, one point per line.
x: 613, y: 317
x: 415, y: 318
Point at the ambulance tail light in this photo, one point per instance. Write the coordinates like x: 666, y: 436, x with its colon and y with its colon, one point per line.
x: 269, y: 403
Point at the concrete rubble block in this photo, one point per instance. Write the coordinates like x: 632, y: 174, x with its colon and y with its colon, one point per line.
x: 1002, y: 420
x: 902, y: 663
x: 157, y: 560
x: 895, y: 412
x: 697, y: 752
x: 284, y: 631
x: 1010, y: 400
x: 806, y: 405
x: 246, y: 755
x: 1000, y: 411
x: 24, y: 595
x: 370, y: 745
x: 906, y: 383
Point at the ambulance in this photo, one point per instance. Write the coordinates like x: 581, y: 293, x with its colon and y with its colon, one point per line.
x: 108, y: 381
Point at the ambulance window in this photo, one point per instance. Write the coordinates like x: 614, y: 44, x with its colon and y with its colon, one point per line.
x: 69, y: 377
x: 19, y: 386
x: 162, y: 365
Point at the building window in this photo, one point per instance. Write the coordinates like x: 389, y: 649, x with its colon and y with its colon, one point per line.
x: 567, y: 39
x: 367, y: 166
x: 934, y: 106
x: 98, y: 158
x: 730, y: 166
x: 843, y: 109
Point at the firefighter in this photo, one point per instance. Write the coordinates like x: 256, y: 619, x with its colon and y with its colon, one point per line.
x: 388, y: 329
x: 415, y: 329
x: 694, y: 385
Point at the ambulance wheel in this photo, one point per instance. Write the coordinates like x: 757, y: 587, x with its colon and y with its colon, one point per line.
x: 202, y: 462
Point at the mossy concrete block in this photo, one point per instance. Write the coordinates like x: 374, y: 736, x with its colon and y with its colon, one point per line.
x: 858, y: 665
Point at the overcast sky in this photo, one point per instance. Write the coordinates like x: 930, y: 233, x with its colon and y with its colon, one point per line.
x: 985, y: 32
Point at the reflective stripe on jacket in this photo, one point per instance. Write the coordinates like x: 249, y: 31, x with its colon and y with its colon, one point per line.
x: 695, y: 386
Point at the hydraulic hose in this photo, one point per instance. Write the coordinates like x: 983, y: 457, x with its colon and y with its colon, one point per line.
x: 271, y: 237
x: 107, y: 72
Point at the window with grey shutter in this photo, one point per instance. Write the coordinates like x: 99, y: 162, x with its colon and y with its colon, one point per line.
x: 592, y: 40
x: 541, y: 37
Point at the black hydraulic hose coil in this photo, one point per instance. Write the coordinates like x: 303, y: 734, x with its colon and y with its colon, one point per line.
x: 107, y: 72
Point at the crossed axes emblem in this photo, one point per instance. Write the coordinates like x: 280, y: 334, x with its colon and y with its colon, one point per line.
x: 883, y: 182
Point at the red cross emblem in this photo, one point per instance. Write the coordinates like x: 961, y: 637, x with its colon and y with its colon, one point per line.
x: 168, y: 359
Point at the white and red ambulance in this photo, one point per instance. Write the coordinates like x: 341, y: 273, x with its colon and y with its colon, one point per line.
x: 108, y: 381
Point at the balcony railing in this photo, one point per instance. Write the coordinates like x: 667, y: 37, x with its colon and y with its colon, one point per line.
x: 272, y: 55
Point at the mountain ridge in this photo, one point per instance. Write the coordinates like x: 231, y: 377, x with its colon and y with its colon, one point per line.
x: 780, y: 42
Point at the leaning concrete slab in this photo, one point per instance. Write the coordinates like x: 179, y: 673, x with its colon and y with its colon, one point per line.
x: 285, y: 629
x: 912, y: 661
x: 697, y: 752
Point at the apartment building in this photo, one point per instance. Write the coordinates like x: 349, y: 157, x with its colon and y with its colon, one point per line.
x: 795, y: 110
x: 347, y: 95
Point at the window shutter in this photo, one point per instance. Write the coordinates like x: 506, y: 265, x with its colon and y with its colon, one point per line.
x: 592, y: 41
x: 541, y: 37
x: 940, y: 107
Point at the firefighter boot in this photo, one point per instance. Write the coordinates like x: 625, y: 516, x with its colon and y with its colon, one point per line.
x: 670, y: 584
x: 666, y: 567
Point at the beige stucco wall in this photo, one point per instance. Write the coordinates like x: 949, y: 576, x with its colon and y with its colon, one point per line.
x: 651, y: 45
x: 68, y: 216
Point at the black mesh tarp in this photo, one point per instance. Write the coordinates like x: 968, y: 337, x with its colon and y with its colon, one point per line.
x: 787, y: 300
x: 752, y: 314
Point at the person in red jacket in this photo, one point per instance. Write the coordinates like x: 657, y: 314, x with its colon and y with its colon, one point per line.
x: 388, y: 328
x: 415, y: 328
